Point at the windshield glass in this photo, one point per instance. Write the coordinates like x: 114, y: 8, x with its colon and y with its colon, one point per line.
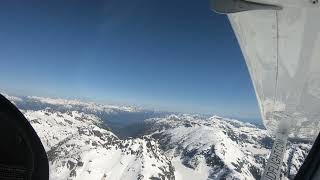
x: 146, y: 89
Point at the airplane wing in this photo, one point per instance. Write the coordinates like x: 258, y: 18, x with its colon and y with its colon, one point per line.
x: 280, y: 41
x: 282, y: 52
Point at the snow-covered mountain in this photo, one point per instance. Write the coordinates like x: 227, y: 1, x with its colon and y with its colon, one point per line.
x: 81, y: 145
x: 219, y: 148
x: 36, y: 103
x: 121, y: 118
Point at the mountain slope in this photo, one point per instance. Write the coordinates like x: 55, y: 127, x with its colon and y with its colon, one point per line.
x: 122, y: 119
x: 80, y: 147
x: 221, y: 148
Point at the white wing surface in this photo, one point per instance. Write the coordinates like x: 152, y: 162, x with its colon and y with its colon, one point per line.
x: 282, y: 52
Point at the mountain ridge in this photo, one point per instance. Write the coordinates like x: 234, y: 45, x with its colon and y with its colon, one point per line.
x: 81, y: 145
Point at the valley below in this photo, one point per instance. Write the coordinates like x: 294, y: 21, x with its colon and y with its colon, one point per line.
x: 85, y: 140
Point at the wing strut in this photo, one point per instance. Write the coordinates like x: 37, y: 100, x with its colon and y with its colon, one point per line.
x: 272, y: 170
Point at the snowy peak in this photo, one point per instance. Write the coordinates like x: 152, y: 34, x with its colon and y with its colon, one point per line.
x: 218, y: 147
x: 79, y: 146
x: 77, y: 103
x: 81, y: 143
x: 54, y: 126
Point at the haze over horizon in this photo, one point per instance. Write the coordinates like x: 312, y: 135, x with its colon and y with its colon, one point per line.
x: 168, y: 55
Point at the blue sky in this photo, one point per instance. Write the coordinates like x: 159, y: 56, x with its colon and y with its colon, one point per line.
x: 172, y: 55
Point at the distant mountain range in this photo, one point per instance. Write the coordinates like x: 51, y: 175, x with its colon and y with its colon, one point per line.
x: 92, y: 141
